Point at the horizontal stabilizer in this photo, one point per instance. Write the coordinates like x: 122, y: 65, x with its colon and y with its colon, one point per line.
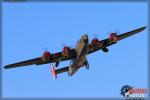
x: 61, y: 70
x: 58, y: 71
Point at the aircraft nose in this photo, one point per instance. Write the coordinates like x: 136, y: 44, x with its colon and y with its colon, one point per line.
x: 85, y: 37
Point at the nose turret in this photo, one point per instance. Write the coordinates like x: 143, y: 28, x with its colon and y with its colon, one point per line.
x: 85, y: 38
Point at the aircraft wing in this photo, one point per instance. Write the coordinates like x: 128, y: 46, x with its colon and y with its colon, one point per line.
x: 127, y: 34
x: 38, y: 61
x: 58, y: 56
x: 24, y: 63
x: 106, y: 42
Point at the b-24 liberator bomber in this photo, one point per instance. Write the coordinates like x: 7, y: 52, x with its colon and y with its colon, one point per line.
x: 77, y: 55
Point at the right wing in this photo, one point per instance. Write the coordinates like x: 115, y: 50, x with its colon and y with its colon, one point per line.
x: 38, y: 61
x: 106, y: 42
x: 128, y: 34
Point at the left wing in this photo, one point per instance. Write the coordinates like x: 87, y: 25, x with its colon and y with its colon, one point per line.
x: 38, y: 61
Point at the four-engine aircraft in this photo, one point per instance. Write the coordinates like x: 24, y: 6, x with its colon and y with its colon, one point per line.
x: 77, y: 55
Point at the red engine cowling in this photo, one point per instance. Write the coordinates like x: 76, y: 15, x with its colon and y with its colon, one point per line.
x: 45, y: 56
x: 113, y: 37
x: 66, y: 51
x: 95, y: 41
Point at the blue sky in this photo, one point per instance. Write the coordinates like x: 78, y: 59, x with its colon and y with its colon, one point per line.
x: 28, y: 28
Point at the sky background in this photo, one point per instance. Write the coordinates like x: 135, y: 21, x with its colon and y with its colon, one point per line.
x: 29, y: 28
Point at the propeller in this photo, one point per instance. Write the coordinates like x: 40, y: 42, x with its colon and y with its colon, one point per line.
x: 95, y: 36
x: 63, y: 45
x: 117, y: 31
x: 70, y: 46
x: 45, y: 49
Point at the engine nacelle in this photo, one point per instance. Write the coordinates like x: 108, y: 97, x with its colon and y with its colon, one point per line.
x: 66, y: 51
x: 94, y: 41
x: 45, y: 56
x: 113, y: 37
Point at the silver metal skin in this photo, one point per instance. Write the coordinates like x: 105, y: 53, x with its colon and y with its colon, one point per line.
x: 82, y: 51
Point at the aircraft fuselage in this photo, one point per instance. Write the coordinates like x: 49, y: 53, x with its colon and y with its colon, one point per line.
x: 82, y: 51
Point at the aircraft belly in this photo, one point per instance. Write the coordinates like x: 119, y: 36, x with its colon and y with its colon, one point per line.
x: 81, y: 57
x: 72, y: 70
x: 82, y: 51
x: 78, y: 61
